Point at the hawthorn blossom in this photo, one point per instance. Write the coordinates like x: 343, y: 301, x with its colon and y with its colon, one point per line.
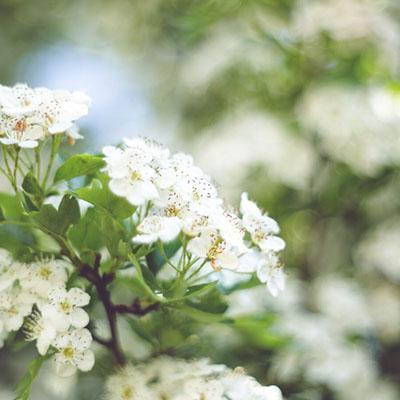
x: 173, y: 195
x: 175, y: 379
x: 261, y: 227
x: 267, y: 268
x: 73, y: 352
x: 15, y: 305
x: 28, y: 115
x: 212, y: 247
x: 154, y: 228
x: 131, y: 174
x: 39, y: 329
x: 43, y: 275
x: 64, y: 308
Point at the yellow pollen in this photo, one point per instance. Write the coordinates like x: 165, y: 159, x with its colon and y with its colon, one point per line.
x: 127, y: 393
x: 45, y: 272
x: 68, y: 352
x: 66, y: 307
x: 135, y: 176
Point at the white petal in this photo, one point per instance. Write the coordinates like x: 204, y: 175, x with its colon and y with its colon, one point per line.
x: 28, y: 144
x: 272, y: 243
x: 145, y: 239
x: 65, y: 370
x: 81, y: 339
x: 86, y: 361
x: 79, y: 318
x: 78, y: 297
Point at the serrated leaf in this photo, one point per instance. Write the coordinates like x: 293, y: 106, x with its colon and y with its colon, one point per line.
x: 78, y: 165
x: 100, y: 196
x: 23, y: 389
x: 202, y: 316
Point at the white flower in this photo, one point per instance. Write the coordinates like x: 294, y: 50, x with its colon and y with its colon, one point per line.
x: 129, y: 384
x: 10, y: 270
x: 154, y: 228
x: 63, y: 309
x: 261, y: 227
x: 30, y: 115
x: 15, y: 305
x: 131, y: 174
x: 197, y: 388
x: 39, y: 329
x: 175, y: 379
x: 41, y: 276
x: 73, y: 352
x: 267, y: 267
x: 211, y: 246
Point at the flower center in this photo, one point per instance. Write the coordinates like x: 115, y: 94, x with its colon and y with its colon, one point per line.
x: 66, y: 306
x: 45, y: 272
x: 135, y: 176
x: 68, y: 352
x: 127, y: 393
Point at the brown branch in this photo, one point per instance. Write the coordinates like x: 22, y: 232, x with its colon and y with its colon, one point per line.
x: 136, y: 308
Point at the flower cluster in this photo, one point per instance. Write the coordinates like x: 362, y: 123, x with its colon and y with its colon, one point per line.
x: 174, y: 196
x: 173, y: 379
x: 29, y: 115
x: 34, y: 297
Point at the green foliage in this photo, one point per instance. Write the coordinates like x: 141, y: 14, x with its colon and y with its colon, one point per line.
x: 58, y: 221
x: 78, y: 165
x: 100, y: 196
x: 23, y: 389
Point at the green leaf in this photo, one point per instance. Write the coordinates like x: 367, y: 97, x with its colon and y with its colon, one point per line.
x: 68, y: 212
x: 256, y: 331
x: 100, y: 196
x: 59, y: 221
x: 202, y: 316
x: 22, y: 391
x: 2, y: 216
x: 47, y: 218
x: 78, y: 165
x: 85, y: 234
x: 32, y: 186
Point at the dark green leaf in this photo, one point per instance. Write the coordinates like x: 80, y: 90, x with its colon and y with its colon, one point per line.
x: 78, y: 165
x: 68, y: 212
x: 32, y: 186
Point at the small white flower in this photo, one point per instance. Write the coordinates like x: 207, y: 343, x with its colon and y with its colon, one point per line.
x: 41, y: 330
x: 15, y: 305
x: 197, y: 388
x: 261, y: 227
x: 64, y: 309
x: 131, y: 174
x: 154, y: 228
x: 41, y: 276
x: 267, y: 267
x: 211, y: 246
x: 30, y: 115
x: 73, y: 352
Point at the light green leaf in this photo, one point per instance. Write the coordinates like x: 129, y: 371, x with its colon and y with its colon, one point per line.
x: 100, y: 196
x: 78, y: 165
x: 23, y: 389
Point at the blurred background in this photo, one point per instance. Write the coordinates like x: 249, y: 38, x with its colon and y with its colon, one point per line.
x: 296, y: 102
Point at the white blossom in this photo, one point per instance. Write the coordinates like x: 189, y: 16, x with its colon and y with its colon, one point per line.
x: 73, y: 352
x: 154, y: 228
x: 29, y: 115
x: 175, y: 379
x: 64, y: 308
